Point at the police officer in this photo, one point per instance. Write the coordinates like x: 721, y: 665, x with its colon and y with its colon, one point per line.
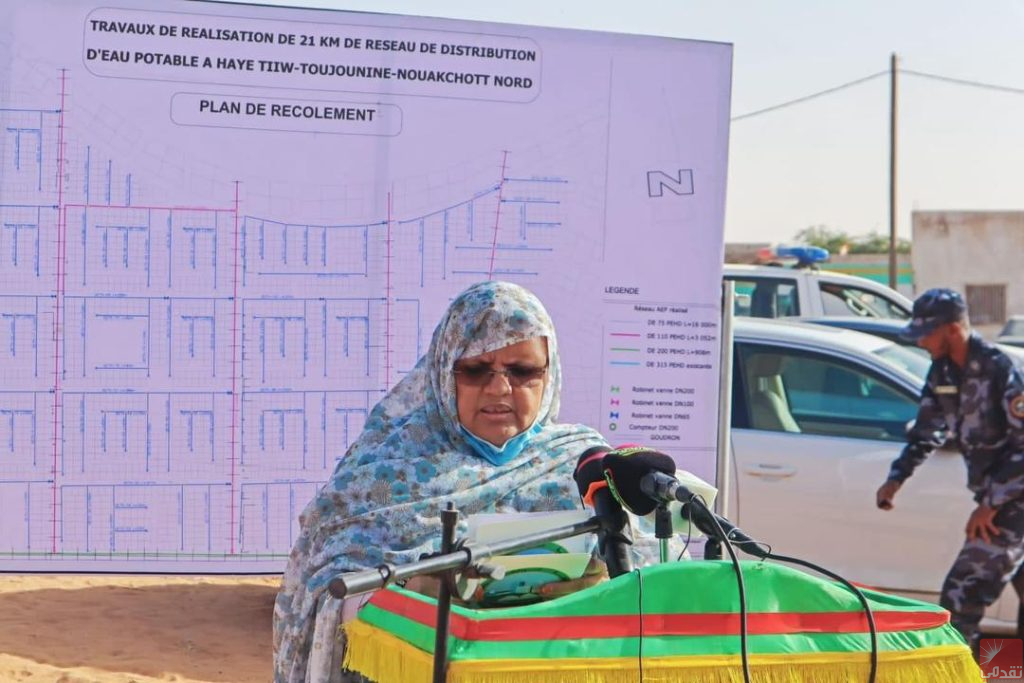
x: 974, y: 395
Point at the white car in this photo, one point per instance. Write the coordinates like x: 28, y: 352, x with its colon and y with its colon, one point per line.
x: 1013, y: 331
x: 818, y: 414
x: 777, y: 292
x: 889, y: 328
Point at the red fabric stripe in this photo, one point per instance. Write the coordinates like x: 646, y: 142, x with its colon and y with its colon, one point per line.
x: 628, y: 625
x: 596, y: 456
x: 870, y: 588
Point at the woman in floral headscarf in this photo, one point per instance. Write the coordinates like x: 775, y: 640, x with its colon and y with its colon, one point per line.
x: 473, y: 424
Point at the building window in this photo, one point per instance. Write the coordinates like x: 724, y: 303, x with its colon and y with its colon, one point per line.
x: 986, y: 304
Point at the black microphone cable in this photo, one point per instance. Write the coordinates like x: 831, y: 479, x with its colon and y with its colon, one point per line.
x: 689, y: 536
x: 872, y: 629
x: 744, y: 653
x: 640, y: 613
x: 639, y: 477
x: 769, y: 555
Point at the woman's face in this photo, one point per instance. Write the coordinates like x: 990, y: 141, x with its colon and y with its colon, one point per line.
x: 498, y: 394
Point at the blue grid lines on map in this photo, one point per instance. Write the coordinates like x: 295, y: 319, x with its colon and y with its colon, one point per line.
x: 278, y: 250
x: 536, y: 212
x: 120, y: 339
x: 301, y: 434
x: 27, y: 249
x: 156, y: 249
x: 318, y: 342
x: 20, y: 249
x: 29, y: 215
x: 105, y: 334
x: 26, y: 427
x: 117, y: 436
x: 101, y: 183
x: 148, y: 519
x: 508, y: 230
x: 116, y: 245
x: 407, y: 327
x: 26, y: 346
x: 266, y: 508
x: 25, y: 526
x: 27, y: 137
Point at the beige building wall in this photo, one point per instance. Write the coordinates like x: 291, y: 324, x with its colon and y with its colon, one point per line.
x: 971, y: 249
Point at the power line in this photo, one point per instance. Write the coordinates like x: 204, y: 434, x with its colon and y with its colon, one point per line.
x: 910, y: 72
x: 806, y: 98
x: 964, y: 81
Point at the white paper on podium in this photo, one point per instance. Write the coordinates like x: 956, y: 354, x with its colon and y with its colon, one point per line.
x: 527, y: 570
x: 680, y: 523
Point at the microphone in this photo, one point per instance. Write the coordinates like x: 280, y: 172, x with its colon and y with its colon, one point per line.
x: 625, y: 467
x: 614, y: 538
x: 640, y: 479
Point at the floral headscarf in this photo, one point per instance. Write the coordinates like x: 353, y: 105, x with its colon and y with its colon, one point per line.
x: 383, y: 502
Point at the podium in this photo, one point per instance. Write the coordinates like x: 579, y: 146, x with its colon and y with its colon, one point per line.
x: 679, y: 622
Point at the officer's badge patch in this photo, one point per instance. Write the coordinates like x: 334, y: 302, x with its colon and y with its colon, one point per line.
x: 1017, y: 406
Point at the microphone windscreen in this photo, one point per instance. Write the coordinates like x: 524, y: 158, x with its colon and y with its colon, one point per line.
x: 589, y: 473
x: 623, y: 470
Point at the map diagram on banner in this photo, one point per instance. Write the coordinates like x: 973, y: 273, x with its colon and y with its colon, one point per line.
x: 227, y: 231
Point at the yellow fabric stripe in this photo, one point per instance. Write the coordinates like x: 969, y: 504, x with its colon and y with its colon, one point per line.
x: 382, y: 657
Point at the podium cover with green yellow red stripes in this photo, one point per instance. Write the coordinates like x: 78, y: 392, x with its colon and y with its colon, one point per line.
x: 680, y: 619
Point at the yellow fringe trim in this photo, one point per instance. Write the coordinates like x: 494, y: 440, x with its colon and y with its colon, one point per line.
x: 382, y: 657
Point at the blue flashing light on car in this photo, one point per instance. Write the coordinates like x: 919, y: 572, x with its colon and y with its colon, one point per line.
x: 805, y: 256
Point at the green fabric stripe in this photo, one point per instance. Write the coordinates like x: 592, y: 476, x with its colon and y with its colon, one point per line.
x: 705, y: 586
x: 422, y: 637
x: 414, y: 633
x: 700, y: 645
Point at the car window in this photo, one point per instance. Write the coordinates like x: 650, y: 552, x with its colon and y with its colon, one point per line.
x: 847, y: 300
x: 789, y: 390
x: 1013, y: 328
x: 913, y: 359
x: 765, y: 297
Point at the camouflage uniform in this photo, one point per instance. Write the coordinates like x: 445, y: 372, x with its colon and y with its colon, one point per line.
x: 982, y: 406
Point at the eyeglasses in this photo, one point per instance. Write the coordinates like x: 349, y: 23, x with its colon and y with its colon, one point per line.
x: 517, y: 375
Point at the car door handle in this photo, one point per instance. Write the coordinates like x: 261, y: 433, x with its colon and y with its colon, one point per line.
x: 768, y: 471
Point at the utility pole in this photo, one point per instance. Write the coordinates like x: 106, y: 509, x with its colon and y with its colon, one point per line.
x: 893, y: 266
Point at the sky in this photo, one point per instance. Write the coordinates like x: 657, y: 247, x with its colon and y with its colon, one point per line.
x: 826, y: 162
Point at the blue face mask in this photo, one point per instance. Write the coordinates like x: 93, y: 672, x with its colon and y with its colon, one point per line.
x: 499, y: 456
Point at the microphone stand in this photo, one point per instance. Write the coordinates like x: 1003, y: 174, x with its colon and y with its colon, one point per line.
x: 349, y: 584
x: 663, y: 530
x: 712, y: 549
x: 449, y: 518
x: 455, y: 556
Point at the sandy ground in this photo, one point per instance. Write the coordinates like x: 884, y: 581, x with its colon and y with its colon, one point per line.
x: 141, y: 629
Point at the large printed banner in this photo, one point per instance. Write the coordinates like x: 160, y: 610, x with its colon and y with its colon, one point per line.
x: 226, y: 231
